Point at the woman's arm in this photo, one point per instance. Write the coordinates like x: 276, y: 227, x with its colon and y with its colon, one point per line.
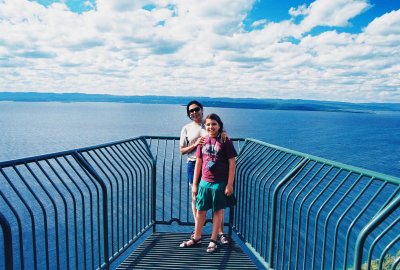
x: 231, y: 177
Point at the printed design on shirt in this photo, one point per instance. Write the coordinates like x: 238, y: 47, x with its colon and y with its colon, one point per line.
x: 211, y: 149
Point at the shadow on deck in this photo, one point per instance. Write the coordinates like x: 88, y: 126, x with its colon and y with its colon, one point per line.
x: 162, y: 251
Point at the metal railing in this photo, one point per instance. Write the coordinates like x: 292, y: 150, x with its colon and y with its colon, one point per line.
x: 297, y: 211
x: 84, y: 208
x: 173, y: 195
x: 75, y: 209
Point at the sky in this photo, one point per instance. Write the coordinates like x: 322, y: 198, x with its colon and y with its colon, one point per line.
x: 335, y: 50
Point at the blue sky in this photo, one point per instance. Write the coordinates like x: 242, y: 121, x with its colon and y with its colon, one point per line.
x: 343, y: 50
x: 277, y: 11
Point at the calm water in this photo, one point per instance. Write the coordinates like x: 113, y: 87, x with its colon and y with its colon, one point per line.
x: 369, y: 141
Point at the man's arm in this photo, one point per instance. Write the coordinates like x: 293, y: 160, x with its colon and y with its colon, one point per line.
x: 190, y: 148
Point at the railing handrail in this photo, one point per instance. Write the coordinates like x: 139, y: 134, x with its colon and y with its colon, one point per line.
x: 386, y: 177
x: 20, y: 161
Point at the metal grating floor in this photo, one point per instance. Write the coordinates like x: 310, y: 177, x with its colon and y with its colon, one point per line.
x: 162, y: 251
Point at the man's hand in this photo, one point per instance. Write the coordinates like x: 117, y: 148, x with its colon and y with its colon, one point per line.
x: 224, y: 136
x: 200, y: 141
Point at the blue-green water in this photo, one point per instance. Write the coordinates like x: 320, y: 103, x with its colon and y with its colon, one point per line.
x: 364, y: 140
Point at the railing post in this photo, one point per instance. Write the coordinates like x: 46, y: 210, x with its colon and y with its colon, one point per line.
x: 379, y: 218
x: 231, y: 218
x: 274, y: 205
x: 153, y: 194
x: 8, y: 252
x: 103, y: 186
x: 153, y: 182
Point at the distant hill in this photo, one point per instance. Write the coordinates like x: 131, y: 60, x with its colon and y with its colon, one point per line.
x: 251, y: 103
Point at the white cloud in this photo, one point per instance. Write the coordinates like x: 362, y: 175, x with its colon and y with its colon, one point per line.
x: 301, y: 10
x: 331, y: 13
x: 259, y: 23
x: 388, y: 24
x: 190, y: 47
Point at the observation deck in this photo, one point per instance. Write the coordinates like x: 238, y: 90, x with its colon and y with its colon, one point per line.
x: 126, y: 205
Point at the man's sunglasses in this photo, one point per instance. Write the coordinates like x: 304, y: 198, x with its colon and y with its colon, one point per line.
x: 197, y: 109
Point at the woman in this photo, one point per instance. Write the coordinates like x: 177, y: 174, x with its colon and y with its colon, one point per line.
x: 215, y: 165
x: 192, y: 135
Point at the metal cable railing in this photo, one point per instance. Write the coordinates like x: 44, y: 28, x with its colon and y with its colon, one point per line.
x: 298, y: 211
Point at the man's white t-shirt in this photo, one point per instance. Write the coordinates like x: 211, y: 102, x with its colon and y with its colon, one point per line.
x: 189, y: 134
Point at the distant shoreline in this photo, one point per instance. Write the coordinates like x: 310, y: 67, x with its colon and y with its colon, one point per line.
x: 242, y: 103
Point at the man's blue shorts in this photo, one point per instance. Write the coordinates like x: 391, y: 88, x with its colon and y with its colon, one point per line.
x: 190, y: 171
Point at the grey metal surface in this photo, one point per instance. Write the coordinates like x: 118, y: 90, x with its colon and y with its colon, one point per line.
x: 162, y: 251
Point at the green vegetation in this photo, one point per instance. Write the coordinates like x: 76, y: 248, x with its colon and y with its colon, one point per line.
x: 244, y: 103
x: 386, y: 265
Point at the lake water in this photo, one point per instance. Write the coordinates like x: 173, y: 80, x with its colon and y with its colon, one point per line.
x: 364, y: 140
x: 369, y: 141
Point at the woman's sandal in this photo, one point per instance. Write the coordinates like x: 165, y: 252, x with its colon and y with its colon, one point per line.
x: 193, y: 243
x: 223, y: 238
x: 213, y: 248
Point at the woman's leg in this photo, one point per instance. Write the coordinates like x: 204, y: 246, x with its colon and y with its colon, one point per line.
x: 195, y: 239
x: 200, y: 219
x: 222, y: 237
x: 217, y: 219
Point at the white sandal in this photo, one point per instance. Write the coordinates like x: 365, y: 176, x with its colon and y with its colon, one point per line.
x: 223, y: 239
x: 212, y: 248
